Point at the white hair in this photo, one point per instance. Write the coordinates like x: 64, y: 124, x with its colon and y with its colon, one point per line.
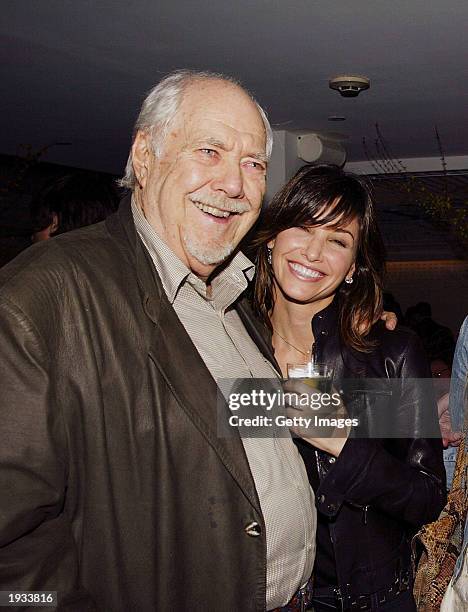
x: 161, y: 105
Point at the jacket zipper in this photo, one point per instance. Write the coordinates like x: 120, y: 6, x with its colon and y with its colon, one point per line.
x: 363, y: 508
x: 364, y: 514
x: 301, y: 597
x: 339, y: 597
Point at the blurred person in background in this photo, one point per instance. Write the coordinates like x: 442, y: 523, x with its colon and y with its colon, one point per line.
x: 441, y: 373
x: 459, y: 378
x: 437, y: 339
x: 72, y: 201
x: 456, y: 597
x: 391, y: 304
x: 451, y: 405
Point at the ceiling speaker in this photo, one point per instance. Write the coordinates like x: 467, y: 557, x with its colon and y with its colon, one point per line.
x: 317, y: 148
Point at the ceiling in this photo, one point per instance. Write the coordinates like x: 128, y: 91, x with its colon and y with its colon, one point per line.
x: 75, y: 72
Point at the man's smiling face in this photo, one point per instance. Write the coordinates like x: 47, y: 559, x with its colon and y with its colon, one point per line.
x: 205, y: 191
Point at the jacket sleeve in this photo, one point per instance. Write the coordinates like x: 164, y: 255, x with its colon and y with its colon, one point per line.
x: 459, y: 378
x: 37, y: 551
x: 404, y: 478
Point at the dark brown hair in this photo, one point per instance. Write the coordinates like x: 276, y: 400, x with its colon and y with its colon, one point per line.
x: 300, y: 203
x: 78, y: 199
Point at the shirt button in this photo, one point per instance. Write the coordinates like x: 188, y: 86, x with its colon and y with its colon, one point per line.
x: 331, y: 507
x: 332, y: 460
x: 253, y: 529
x: 324, y: 332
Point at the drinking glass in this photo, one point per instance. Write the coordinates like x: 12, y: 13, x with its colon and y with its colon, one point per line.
x: 319, y: 376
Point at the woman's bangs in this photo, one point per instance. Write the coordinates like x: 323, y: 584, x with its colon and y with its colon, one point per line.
x: 337, y: 211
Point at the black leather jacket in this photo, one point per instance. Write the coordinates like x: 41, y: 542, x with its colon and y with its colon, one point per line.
x: 378, y: 492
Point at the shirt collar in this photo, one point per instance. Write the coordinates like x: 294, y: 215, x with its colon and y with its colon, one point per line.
x: 169, y: 267
x: 173, y: 273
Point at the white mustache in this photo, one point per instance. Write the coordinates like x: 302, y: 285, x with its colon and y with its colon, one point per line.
x: 221, y: 202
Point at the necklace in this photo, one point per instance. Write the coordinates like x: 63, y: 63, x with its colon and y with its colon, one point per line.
x: 305, y: 353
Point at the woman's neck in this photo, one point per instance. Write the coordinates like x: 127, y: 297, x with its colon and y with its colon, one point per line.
x: 292, y: 330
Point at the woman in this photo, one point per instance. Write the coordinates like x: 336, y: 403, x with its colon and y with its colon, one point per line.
x: 319, y: 284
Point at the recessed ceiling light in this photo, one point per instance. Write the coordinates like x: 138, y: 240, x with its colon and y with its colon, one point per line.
x: 336, y: 118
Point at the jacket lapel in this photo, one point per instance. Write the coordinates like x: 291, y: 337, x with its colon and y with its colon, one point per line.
x: 195, y: 390
x: 257, y: 331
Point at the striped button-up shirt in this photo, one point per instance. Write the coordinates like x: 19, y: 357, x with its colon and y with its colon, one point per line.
x: 228, y: 351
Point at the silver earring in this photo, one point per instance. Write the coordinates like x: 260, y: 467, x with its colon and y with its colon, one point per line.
x: 349, y: 280
x: 269, y: 255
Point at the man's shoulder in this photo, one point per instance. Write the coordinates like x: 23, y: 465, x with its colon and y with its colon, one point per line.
x: 80, y: 245
x: 42, y: 271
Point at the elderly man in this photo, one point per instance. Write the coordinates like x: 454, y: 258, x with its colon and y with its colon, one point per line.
x: 116, y: 491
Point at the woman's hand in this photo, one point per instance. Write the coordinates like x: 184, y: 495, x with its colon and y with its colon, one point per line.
x: 449, y: 437
x: 321, y: 421
x: 390, y: 319
x: 332, y: 446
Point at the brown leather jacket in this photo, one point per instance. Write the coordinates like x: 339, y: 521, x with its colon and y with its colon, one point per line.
x: 115, y: 489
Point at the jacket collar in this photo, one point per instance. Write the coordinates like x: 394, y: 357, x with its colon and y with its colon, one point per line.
x: 345, y: 361
x: 325, y: 322
x: 122, y: 228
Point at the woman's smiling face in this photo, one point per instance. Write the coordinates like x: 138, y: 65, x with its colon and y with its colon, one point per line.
x: 309, y: 264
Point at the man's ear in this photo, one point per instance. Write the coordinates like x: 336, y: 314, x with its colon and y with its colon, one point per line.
x: 53, y: 227
x: 141, y: 157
